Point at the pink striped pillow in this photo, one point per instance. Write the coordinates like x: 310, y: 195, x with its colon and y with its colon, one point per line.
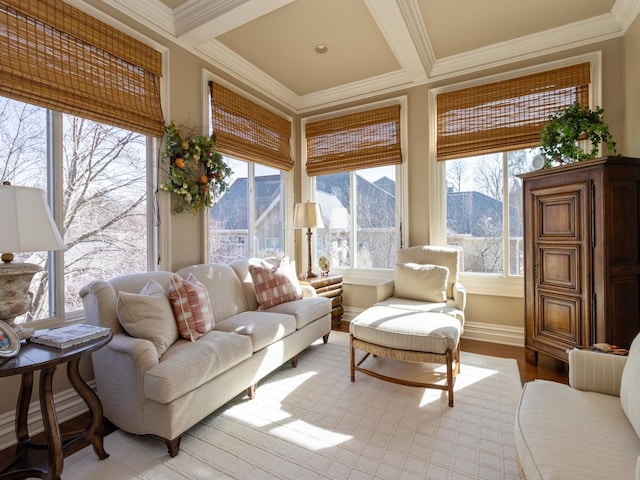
x: 274, y: 284
x: 191, y: 306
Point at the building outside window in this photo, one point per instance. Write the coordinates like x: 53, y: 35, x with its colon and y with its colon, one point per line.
x: 97, y: 174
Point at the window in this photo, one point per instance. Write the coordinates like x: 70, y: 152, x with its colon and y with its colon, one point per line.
x: 98, y: 178
x: 360, y: 218
x: 248, y: 219
x: 486, y: 135
x: 354, y: 163
x: 481, y: 219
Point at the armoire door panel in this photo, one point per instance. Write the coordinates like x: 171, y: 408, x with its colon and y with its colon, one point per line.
x: 625, y: 299
x: 558, y: 267
x: 559, y: 212
x: 558, y: 319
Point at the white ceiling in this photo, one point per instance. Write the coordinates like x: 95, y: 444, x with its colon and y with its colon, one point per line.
x: 374, y: 46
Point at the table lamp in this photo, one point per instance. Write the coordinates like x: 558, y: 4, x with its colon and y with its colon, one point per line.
x: 26, y: 226
x: 308, y: 215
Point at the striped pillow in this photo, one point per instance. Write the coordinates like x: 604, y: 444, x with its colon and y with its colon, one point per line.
x: 274, y: 284
x: 191, y: 306
x: 424, y: 282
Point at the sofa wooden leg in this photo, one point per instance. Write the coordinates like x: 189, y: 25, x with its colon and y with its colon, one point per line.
x: 251, y: 391
x: 174, y: 446
x: 294, y: 361
x: 325, y: 338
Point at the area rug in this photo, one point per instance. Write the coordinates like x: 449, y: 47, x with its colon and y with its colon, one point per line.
x: 311, y: 422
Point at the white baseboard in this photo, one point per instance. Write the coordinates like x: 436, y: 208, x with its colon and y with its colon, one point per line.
x: 68, y: 405
x: 485, y: 332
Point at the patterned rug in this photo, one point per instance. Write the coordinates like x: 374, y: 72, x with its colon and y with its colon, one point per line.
x: 311, y: 422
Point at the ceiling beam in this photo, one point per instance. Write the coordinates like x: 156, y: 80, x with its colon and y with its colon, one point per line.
x: 198, y: 21
x: 390, y: 18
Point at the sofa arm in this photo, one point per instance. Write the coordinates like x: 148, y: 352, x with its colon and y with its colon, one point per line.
x: 595, y: 372
x: 384, y: 290
x: 459, y: 296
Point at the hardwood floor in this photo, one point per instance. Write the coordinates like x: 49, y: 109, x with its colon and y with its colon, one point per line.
x: 547, y: 369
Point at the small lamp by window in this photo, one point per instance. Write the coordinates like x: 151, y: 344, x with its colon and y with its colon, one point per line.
x: 26, y: 225
x: 308, y: 215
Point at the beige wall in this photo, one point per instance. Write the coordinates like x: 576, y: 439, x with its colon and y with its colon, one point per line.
x: 620, y: 100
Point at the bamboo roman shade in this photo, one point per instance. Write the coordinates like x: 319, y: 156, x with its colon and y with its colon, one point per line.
x: 57, y: 57
x: 249, y: 131
x: 355, y: 141
x: 506, y: 115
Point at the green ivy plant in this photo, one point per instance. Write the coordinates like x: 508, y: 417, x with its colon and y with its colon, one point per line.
x: 559, y: 138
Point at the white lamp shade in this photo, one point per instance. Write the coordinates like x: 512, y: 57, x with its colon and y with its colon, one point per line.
x: 26, y: 224
x: 307, y: 215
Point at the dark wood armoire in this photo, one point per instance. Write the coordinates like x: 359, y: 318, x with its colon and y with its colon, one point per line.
x: 582, y: 255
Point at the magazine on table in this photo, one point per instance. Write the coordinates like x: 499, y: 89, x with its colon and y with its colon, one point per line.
x: 70, y: 335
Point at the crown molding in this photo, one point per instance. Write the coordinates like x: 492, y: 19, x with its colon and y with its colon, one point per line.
x: 407, y: 37
x: 597, y: 29
x: 626, y: 12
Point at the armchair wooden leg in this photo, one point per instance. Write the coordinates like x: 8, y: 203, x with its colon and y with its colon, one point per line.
x: 174, y: 446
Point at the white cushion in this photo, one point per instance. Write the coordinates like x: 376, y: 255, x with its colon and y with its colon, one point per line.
x: 421, y: 282
x: 148, y: 315
x: 630, y: 386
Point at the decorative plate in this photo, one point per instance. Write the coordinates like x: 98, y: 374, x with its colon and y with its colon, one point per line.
x: 9, y: 341
x: 323, y: 263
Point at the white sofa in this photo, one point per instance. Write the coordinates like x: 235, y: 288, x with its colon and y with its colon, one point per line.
x: 145, y: 392
x: 589, y: 429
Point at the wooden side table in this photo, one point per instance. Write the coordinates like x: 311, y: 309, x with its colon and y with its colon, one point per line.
x: 329, y: 286
x: 46, y: 460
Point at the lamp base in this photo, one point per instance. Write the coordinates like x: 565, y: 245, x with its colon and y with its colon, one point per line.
x: 15, y: 298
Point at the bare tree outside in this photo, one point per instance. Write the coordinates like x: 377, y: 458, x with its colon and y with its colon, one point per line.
x: 103, y: 190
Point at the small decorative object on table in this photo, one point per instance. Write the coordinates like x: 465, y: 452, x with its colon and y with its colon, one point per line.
x: 70, y: 335
x: 323, y: 263
x: 9, y: 341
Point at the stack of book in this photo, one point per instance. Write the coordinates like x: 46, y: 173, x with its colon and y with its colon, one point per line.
x: 68, y: 336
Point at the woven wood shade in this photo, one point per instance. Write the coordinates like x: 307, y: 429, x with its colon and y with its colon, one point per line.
x: 57, y: 57
x: 248, y: 131
x: 506, y: 115
x: 355, y: 141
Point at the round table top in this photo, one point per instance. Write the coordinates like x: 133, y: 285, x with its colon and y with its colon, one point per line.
x: 33, y: 356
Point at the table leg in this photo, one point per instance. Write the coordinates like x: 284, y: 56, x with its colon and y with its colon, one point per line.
x: 50, y: 421
x: 95, y: 408
x: 24, y: 398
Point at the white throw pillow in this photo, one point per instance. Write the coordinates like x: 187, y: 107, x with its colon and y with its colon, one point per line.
x: 630, y: 386
x: 423, y: 282
x: 148, y: 315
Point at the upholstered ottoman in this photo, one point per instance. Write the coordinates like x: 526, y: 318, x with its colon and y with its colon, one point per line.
x: 410, y: 336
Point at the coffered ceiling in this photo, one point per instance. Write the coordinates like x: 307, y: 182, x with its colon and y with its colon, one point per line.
x: 372, y: 46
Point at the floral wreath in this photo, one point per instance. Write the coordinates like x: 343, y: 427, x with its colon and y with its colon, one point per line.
x: 197, y: 173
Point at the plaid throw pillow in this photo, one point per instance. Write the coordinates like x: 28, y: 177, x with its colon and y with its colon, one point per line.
x: 274, y: 284
x: 191, y: 306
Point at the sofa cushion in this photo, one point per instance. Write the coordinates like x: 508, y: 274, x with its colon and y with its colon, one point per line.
x: 191, y: 306
x: 630, y: 386
x: 148, y: 315
x: 262, y: 328
x: 187, y: 365
x: 421, y: 282
x: 564, y: 433
x: 224, y: 287
x: 305, y: 310
x: 274, y: 284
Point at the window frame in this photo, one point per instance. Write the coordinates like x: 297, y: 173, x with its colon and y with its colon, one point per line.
x: 364, y: 276
x: 484, y: 283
